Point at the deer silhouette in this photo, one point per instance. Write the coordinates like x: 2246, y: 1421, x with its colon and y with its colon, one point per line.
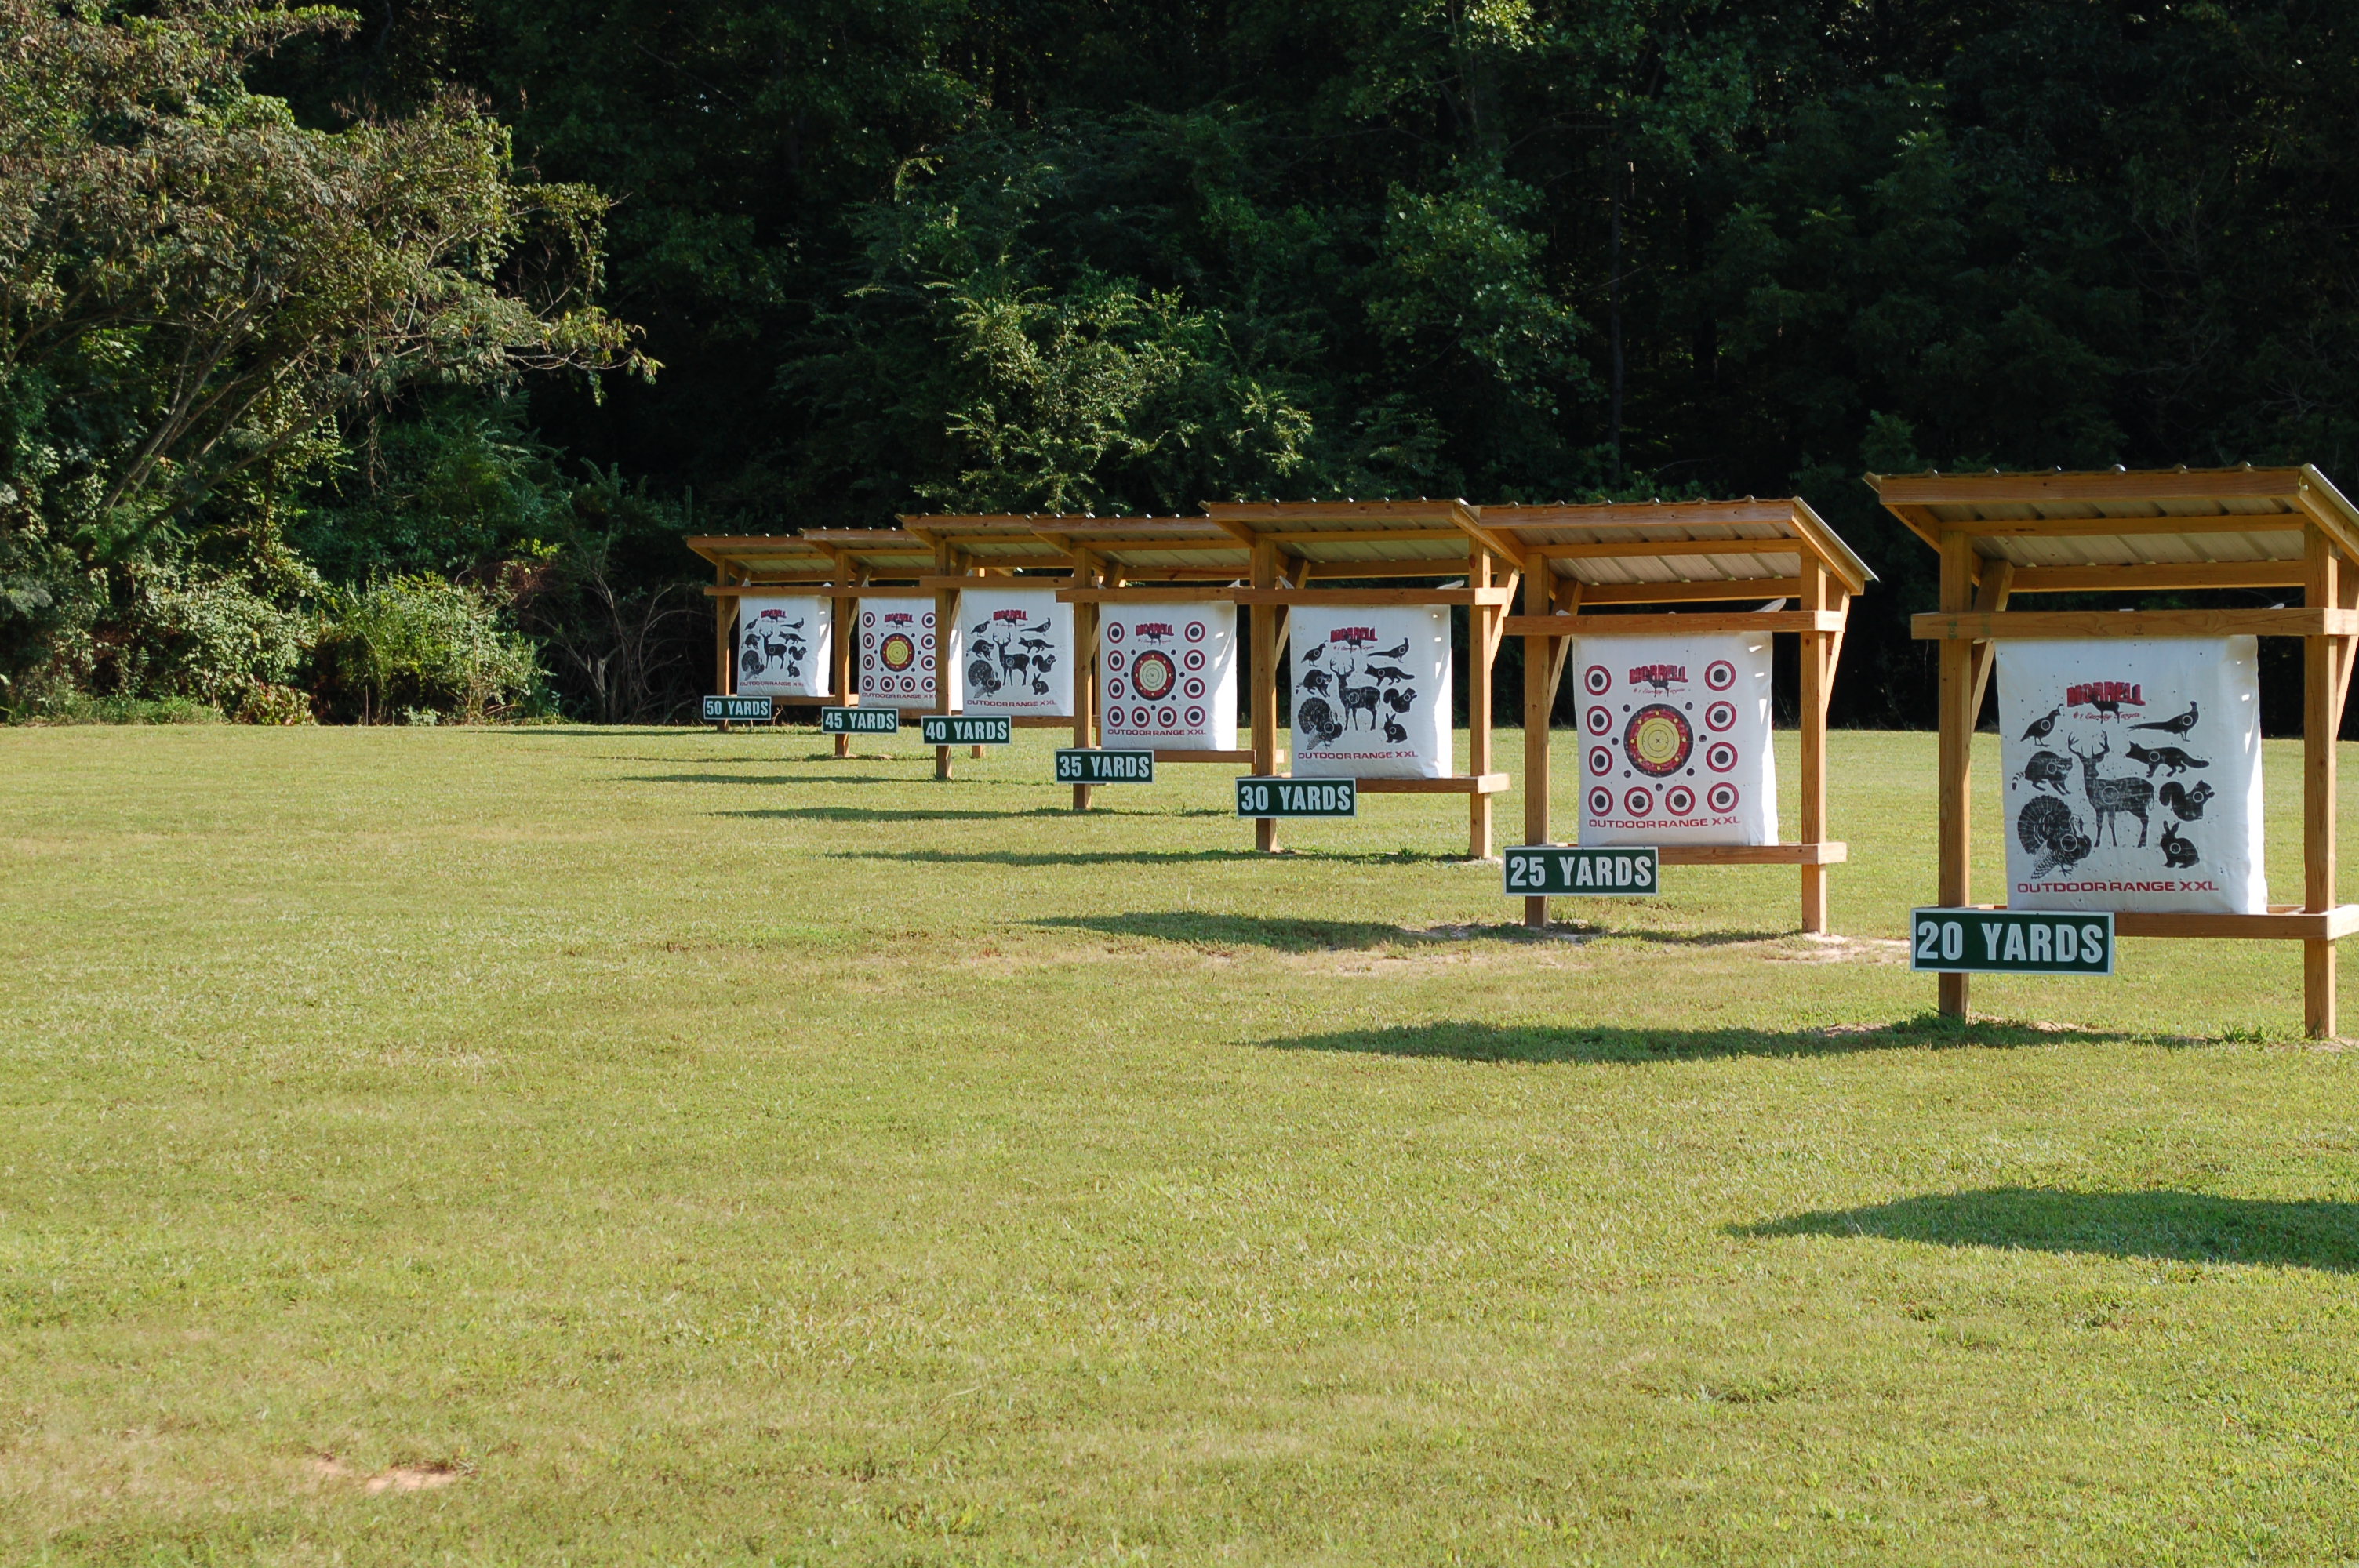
x: 1356, y: 698
x: 2109, y: 797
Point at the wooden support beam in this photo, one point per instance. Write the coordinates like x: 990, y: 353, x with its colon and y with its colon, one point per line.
x: 1265, y: 684
x: 2172, y: 577
x: 1681, y: 624
x: 1752, y: 589
x: 1956, y: 751
x: 1484, y: 617
x: 1628, y: 549
x: 1818, y: 589
x: 1974, y: 626
x: 1484, y: 594
x: 725, y: 618
x: 1999, y: 579
x: 2321, y: 716
x: 839, y: 658
x: 1540, y: 668
x: 1085, y: 667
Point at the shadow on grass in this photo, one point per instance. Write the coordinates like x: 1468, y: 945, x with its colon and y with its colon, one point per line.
x: 891, y: 814
x: 1533, y: 1042
x: 1112, y: 857
x: 794, y: 780
x: 1246, y: 930
x: 2191, y: 1227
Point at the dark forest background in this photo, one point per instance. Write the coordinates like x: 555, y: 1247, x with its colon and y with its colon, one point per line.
x: 1110, y: 256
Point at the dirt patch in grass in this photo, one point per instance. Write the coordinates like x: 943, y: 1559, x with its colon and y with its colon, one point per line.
x: 393, y: 1478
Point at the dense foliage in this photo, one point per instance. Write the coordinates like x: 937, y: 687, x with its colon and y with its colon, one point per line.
x: 1120, y: 256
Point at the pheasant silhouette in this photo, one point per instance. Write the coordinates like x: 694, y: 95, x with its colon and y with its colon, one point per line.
x: 2178, y: 726
x: 1401, y: 651
x: 2041, y: 728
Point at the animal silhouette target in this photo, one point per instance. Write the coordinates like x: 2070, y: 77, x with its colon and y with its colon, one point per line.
x: 1018, y: 652
x: 2132, y: 775
x: 1675, y: 739
x: 783, y: 644
x: 1371, y: 692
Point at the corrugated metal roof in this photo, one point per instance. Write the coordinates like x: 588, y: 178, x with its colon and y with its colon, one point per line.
x: 1338, y: 534
x: 883, y: 552
x: 2185, y: 516
x: 1145, y: 545
x: 1661, y: 539
x: 762, y: 555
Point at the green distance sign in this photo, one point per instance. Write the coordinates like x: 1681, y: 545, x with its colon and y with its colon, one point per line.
x: 1298, y: 798
x: 963, y: 729
x: 2011, y: 941
x: 1094, y: 766
x: 1550, y: 871
x: 860, y: 720
x: 738, y: 710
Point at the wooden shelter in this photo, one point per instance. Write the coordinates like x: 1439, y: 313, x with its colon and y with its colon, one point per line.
x: 1614, y: 568
x: 1304, y: 552
x: 751, y: 565
x: 1116, y: 559
x: 2118, y: 532
x: 968, y: 550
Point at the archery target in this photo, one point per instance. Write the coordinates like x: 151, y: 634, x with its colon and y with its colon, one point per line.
x: 1017, y: 652
x: 784, y: 644
x: 896, y: 645
x: 1169, y: 673
x: 2130, y: 774
x: 1371, y: 692
x: 1675, y: 744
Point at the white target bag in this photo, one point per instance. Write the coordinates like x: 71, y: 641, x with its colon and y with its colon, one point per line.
x: 1675, y: 739
x: 1168, y: 675
x: 1017, y: 652
x: 896, y: 653
x: 783, y: 645
x: 1371, y: 693
x: 2131, y: 775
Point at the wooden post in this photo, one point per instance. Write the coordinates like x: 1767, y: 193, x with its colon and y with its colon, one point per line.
x: 725, y: 617
x: 2322, y: 716
x: 1957, y: 750
x: 1539, y: 697
x: 1265, y: 686
x: 1085, y: 667
x: 1481, y: 645
x: 1815, y: 693
x: 946, y: 611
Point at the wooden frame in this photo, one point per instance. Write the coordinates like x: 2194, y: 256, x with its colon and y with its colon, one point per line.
x: 747, y: 565
x: 1292, y: 543
x: 1579, y: 559
x: 2001, y: 534
x: 970, y: 550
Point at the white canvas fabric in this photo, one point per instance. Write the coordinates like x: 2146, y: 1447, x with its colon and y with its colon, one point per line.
x: 1371, y: 692
x: 1018, y: 655
x: 1675, y: 739
x: 2131, y: 773
x: 896, y: 652
x: 783, y: 645
x: 1167, y: 673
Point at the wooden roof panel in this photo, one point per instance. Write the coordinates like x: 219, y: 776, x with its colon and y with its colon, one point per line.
x: 1657, y: 532
x: 2230, y: 514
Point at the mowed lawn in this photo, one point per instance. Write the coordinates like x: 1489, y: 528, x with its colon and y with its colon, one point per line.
x: 576, y: 1145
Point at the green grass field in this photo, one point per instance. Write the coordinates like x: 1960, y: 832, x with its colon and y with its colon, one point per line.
x: 575, y: 1145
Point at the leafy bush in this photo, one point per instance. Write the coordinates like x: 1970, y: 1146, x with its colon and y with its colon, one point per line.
x: 423, y: 642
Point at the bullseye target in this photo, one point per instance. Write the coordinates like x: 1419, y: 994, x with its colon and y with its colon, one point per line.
x: 1600, y: 721
x: 1116, y: 690
x: 1114, y: 660
x: 1195, y: 718
x: 1169, y: 672
x: 1153, y: 674
x: 1597, y: 680
x: 1719, y: 674
x: 1192, y: 688
x: 1167, y: 717
x: 1721, y: 798
x: 1657, y: 739
x: 1638, y: 802
x: 1719, y: 716
x: 1600, y: 761
x: 1720, y: 756
x: 1675, y: 737
x: 1116, y: 631
x: 1192, y: 660
x: 1679, y: 801
x: 1195, y: 631
x: 897, y: 652
x: 1600, y: 802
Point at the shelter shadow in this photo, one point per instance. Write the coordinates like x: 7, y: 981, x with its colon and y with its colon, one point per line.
x: 2194, y: 1227
x: 1468, y: 1042
x: 781, y: 780
x: 887, y: 813
x: 1114, y: 857
x: 1246, y: 930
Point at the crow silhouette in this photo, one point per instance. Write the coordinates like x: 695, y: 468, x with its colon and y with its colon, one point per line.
x: 2178, y: 726
x: 2042, y: 727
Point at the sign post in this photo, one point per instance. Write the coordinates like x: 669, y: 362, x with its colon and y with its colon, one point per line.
x: 1568, y: 871
x: 739, y: 710
x: 1267, y: 796
x: 860, y: 720
x: 2011, y: 941
x: 1097, y: 766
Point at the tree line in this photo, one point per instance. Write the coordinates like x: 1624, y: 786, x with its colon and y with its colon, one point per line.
x: 371, y: 364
